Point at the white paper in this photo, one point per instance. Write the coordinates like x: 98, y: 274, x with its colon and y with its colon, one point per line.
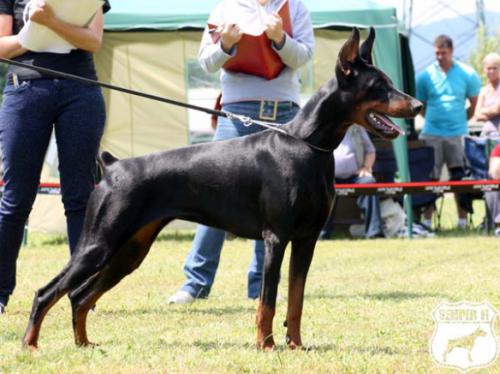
x: 38, y: 38
x: 249, y: 15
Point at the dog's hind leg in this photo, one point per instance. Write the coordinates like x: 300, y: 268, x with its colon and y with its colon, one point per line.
x: 300, y: 260
x: 44, y: 299
x: 274, y: 252
x: 73, y: 274
x: 125, y: 261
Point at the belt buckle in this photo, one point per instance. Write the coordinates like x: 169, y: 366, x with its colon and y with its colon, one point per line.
x: 265, y: 113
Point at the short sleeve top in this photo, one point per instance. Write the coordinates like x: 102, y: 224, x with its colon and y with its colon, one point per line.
x: 77, y: 62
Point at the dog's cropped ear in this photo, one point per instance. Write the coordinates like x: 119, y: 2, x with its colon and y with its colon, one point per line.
x: 349, y: 52
x: 365, y: 51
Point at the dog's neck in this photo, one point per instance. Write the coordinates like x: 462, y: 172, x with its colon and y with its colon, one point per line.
x: 323, y: 120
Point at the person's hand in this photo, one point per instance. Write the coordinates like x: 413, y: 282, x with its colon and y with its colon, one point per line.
x: 42, y: 13
x: 480, y: 117
x: 230, y: 36
x: 486, y: 113
x: 274, y: 30
x: 365, y: 172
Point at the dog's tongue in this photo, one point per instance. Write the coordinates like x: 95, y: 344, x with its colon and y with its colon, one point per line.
x: 386, y: 126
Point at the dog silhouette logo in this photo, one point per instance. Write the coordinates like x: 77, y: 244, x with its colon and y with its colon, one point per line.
x: 463, y: 337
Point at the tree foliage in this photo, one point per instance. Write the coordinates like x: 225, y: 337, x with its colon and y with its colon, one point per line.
x: 486, y: 43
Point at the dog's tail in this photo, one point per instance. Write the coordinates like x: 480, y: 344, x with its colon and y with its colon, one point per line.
x: 105, y: 159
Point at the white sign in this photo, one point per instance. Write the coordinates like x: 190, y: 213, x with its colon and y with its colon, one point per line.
x: 463, y: 337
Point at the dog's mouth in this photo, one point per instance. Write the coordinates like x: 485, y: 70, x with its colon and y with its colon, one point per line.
x: 383, y: 126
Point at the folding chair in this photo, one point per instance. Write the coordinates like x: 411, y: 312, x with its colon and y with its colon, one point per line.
x: 477, y: 152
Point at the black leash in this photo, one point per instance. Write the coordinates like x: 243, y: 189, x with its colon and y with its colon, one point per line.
x: 247, y: 121
x: 59, y: 74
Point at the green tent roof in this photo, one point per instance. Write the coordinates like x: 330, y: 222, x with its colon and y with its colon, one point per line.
x: 174, y: 15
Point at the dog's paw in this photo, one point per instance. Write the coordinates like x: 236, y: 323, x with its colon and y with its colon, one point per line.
x: 30, y: 347
x: 266, y: 345
x: 86, y: 344
x: 294, y: 344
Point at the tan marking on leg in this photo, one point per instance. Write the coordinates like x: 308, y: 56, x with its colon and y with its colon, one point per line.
x: 294, y: 313
x: 143, y: 238
x: 80, y: 328
x: 32, y: 333
x: 264, y: 321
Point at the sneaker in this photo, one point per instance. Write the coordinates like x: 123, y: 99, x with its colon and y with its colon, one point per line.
x: 497, y: 231
x: 425, y: 226
x: 421, y: 231
x: 418, y: 231
x: 181, y: 297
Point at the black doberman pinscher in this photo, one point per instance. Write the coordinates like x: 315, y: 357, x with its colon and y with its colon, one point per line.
x: 270, y: 185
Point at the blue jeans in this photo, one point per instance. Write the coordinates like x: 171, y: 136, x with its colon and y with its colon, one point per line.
x: 203, y: 260
x: 28, y: 115
x: 369, y: 206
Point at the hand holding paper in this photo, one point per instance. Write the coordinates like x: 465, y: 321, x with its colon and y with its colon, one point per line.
x: 39, y: 38
x: 274, y: 29
x: 41, y: 13
x: 229, y: 36
x: 254, y: 54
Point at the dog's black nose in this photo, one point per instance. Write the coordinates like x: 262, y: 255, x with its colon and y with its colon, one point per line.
x: 416, y: 105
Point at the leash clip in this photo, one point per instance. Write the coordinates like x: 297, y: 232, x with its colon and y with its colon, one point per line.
x: 246, y: 120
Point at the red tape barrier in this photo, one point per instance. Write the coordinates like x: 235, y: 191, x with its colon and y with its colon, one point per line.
x: 383, y: 189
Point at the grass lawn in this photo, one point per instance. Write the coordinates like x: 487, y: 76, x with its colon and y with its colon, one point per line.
x: 367, y: 309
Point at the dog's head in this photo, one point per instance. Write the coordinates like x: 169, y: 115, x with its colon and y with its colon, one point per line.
x: 370, y: 91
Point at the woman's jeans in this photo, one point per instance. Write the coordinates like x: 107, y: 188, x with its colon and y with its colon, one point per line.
x: 203, y: 260
x: 29, y: 113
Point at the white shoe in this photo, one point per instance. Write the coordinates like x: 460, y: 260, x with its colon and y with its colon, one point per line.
x: 181, y: 297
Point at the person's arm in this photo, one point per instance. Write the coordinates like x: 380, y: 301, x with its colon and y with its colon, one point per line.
x: 494, y: 168
x: 492, y: 111
x: 367, y: 167
x: 478, y: 116
x: 473, y: 90
x: 369, y: 153
x: 87, y: 38
x: 212, y: 55
x: 297, y: 50
x: 9, y: 44
x: 472, y: 106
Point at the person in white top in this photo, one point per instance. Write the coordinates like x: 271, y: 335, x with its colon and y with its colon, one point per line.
x: 271, y: 100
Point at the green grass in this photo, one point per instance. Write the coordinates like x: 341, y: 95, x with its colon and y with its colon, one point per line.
x: 367, y: 310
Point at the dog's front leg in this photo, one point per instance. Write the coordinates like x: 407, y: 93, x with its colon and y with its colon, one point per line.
x: 300, y: 260
x: 274, y: 251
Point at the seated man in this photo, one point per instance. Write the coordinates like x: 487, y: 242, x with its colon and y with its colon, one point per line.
x: 493, y: 198
x: 354, y: 158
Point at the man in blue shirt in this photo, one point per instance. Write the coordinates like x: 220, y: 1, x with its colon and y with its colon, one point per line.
x: 444, y: 88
